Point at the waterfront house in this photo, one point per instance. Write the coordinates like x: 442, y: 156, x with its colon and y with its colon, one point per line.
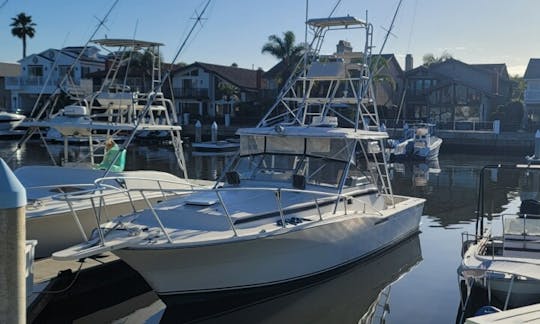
x: 7, y: 70
x: 452, y: 91
x: 387, y: 77
x: 43, y: 72
x: 208, y: 92
x: 532, y: 93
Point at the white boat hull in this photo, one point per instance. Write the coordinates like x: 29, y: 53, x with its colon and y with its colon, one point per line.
x: 295, y: 254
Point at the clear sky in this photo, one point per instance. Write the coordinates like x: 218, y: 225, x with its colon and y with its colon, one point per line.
x: 474, y: 31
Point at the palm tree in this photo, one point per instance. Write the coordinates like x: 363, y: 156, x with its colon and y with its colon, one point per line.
x: 429, y: 58
x: 284, y: 49
x: 23, y: 27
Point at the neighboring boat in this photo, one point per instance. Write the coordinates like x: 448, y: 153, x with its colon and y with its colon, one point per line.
x: 419, y: 144
x: 9, y: 120
x: 8, y: 125
x: 57, y: 223
x: 302, y: 197
x: 216, y: 146
x: 504, y: 259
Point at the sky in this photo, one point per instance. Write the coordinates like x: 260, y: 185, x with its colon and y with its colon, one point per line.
x: 234, y: 31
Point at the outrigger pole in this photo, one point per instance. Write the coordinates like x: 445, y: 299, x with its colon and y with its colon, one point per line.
x: 152, y: 94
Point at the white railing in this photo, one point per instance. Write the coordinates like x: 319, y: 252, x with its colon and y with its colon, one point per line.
x: 101, y: 191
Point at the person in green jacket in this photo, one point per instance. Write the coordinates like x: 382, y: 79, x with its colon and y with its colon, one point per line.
x: 111, y: 151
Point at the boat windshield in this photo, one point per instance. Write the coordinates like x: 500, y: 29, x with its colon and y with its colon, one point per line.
x: 322, y: 162
x: 282, y: 167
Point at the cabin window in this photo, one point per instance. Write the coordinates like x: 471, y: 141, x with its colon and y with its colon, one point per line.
x: 285, y: 145
x: 251, y: 144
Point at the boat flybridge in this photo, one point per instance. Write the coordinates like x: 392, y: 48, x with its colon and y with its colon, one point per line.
x: 97, y: 119
x: 307, y: 193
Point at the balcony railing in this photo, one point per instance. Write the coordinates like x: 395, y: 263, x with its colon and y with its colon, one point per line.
x: 29, y: 82
x: 190, y: 92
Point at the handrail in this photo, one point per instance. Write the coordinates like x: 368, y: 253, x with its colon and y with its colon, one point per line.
x: 278, y: 192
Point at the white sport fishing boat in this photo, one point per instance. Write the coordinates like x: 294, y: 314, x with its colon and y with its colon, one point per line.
x: 56, y: 223
x: 503, y: 259
x: 303, y: 197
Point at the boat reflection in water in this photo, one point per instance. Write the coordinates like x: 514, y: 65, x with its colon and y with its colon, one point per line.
x: 359, y: 294
x: 418, y: 172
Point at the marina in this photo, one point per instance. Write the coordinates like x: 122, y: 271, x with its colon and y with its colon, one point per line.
x: 334, y: 187
x: 450, y: 204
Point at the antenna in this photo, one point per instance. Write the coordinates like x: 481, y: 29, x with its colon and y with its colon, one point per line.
x: 388, y: 33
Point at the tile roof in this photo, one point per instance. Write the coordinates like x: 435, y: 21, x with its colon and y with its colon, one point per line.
x: 533, y: 69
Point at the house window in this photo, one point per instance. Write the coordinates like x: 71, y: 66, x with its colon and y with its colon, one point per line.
x: 63, y: 70
x: 194, y: 72
x: 35, y: 70
x: 84, y: 71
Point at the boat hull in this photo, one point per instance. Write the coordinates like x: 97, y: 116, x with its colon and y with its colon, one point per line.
x: 297, y: 254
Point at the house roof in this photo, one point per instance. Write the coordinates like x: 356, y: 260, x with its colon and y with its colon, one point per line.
x: 487, y: 69
x: 9, y: 69
x: 243, y: 78
x: 499, y: 68
x: 533, y: 69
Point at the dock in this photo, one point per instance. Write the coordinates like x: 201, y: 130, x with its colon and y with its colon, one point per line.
x: 62, y: 289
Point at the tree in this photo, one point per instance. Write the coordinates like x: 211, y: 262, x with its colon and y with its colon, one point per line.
x: 518, y: 88
x: 142, y: 63
x: 429, y: 58
x: 23, y: 27
x: 284, y: 49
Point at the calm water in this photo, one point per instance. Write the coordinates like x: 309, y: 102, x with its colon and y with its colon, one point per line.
x: 415, y: 282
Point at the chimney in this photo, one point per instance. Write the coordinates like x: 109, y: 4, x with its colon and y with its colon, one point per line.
x: 259, y: 78
x: 343, y: 47
x: 408, y: 62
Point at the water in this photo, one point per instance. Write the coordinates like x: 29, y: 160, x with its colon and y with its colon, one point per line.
x: 415, y: 282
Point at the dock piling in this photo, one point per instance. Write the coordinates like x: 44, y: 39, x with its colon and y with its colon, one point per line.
x: 214, y: 132
x: 537, y: 145
x: 12, y: 247
x: 198, y: 132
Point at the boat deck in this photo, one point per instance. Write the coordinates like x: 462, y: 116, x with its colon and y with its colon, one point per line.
x: 526, y: 314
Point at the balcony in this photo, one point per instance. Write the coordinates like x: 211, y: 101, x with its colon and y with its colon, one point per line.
x: 32, y: 84
x: 190, y: 92
x: 532, y: 96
